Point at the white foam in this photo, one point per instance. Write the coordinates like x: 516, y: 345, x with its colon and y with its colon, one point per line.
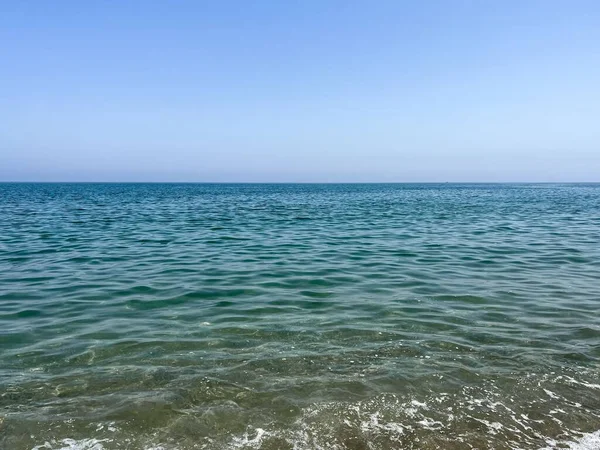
x: 430, y: 424
x: 373, y: 424
x: 572, y: 380
x: 589, y: 441
x: 82, y: 444
x: 419, y: 404
x: 493, y: 427
x: 551, y: 394
x: 246, y: 441
x: 72, y: 444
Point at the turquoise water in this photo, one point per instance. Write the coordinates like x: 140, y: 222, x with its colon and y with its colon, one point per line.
x: 198, y: 316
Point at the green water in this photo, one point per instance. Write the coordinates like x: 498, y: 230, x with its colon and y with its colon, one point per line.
x: 197, y: 316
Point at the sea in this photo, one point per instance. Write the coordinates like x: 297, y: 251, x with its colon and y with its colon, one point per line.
x: 299, y: 316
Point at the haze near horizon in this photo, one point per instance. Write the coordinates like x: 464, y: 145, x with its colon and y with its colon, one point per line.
x: 300, y: 92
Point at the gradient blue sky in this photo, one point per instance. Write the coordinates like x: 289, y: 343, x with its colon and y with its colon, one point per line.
x: 300, y: 90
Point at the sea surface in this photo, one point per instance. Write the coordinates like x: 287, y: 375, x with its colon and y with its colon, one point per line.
x: 299, y: 316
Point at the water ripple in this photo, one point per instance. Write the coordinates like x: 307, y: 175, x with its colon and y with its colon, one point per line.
x: 299, y: 316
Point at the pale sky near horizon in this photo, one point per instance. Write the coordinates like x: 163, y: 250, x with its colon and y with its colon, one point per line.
x: 300, y: 91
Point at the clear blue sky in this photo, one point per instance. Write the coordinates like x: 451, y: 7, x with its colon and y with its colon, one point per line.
x: 300, y: 90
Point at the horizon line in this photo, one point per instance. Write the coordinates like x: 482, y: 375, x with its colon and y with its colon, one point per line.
x: 288, y: 182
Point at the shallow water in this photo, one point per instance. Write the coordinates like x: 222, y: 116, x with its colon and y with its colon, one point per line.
x: 184, y: 316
